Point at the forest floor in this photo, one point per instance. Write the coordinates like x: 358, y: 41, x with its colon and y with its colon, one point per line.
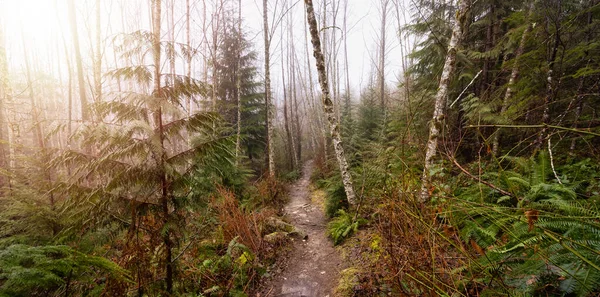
x: 312, y: 267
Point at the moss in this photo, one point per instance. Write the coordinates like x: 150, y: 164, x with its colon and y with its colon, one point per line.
x: 318, y: 198
x: 348, y: 281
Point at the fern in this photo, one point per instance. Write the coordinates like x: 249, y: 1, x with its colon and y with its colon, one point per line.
x: 548, y: 242
x: 343, y: 226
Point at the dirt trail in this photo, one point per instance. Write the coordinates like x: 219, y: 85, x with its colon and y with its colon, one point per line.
x: 313, y: 266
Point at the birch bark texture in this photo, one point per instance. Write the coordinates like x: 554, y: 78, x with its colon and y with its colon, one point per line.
x: 328, y: 104
x: 270, y: 148
x: 441, y: 97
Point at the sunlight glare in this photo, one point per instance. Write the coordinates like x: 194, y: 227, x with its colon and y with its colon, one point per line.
x: 33, y: 23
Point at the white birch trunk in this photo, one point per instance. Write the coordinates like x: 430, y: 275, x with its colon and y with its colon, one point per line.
x: 270, y: 147
x: 441, y: 97
x: 328, y: 105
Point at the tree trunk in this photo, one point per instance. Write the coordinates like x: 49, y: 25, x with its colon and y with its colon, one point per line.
x: 289, y: 144
x: 384, y: 13
x: 98, y: 58
x: 238, y: 84
x: 405, y: 72
x: 550, y: 77
x: 295, y: 141
x: 312, y: 94
x: 78, y: 61
x: 328, y: 105
x: 5, y: 93
x: 270, y: 147
x: 37, y: 128
x: 512, y: 81
x: 346, y: 65
x: 442, y: 96
x: 158, y: 122
x: 188, y: 102
x: 298, y: 131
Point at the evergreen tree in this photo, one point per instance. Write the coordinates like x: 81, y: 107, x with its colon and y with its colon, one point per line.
x: 227, y: 67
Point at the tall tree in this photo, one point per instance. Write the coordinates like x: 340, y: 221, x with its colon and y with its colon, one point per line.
x: 554, y: 19
x: 512, y: 79
x: 289, y: 143
x: 238, y: 137
x: 441, y: 97
x: 268, y: 107
x: 5, y: 94
x: 85, y: 112
x: 328, y: 105
x: 382, y: 49
x: 161, y: 154
x: 98, y: 56
x: 189, y: 54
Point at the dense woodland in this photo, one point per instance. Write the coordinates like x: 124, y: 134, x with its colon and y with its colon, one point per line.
x: 146, y: 148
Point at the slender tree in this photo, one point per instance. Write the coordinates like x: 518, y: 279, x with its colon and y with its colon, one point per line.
x: 5, y: 94
x: 441, y: 97
x: 328, y: 105
x: 238, y: 84
x: 512, y: 79
x: 189, y: 55
x: 551, y: 81
x: 78, y: 61
x: 98, y: 55
x: 268, y: 108
x: 382, y: 49
x: 289, y: 143
x: 161, y: 155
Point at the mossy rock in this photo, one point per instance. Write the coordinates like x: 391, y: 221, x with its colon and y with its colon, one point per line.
x: 277, y: 224
x: 275, y: 237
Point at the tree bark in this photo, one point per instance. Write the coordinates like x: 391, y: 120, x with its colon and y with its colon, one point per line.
x: 441, y: 97
x: 550, y: 77
x: 158, y: 122
x: 384, y: 12
x: 512, y: 81
x: 405, y: 72
x: 298, y: 129
x: 80, y: 77
x: 289, y: 144
x: 37, y: 128
x: 267, y: 38
x: 238, y: 84
x: 98, y: 58
x: 188, y: 102
x: 295, y: 140
x: 312, y: 95
x: 346, y: 65
x: 328, y: 105
x: 5, y: 93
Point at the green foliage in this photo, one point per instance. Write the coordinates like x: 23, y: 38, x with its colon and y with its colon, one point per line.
x: 227, y: 68
x: 543, y: 242
x: 236, y: 265
x: 291, y: 176
x: 33, y: 271
x: 335, y: 199
x: 343, y: 225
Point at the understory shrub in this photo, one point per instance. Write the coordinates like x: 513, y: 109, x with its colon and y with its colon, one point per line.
x: 343, y: 225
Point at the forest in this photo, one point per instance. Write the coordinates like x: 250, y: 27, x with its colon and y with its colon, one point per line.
x: 299, y: 148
